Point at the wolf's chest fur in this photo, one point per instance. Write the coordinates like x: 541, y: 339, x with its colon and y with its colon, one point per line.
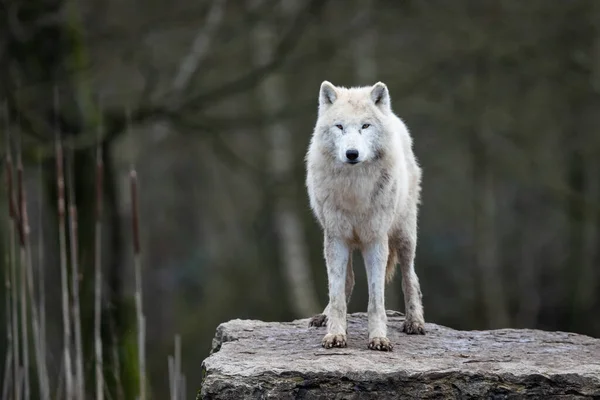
x: 356, y: 203
x: 351, y: 193
x: 357, y: 192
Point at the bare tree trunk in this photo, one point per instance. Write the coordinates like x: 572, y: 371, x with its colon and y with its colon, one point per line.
x: 586, y: 223
x: 590, y: 174
x: 365, y: 61
x: 589, y: 275
x: 292, y: 242
x: 365, y: 54
x: 592, y: 155
x: 486, y: 250
x: 484, y: 228
x: 527, y: 279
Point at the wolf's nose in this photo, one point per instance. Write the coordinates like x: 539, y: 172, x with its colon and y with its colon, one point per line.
x: 352, y: 154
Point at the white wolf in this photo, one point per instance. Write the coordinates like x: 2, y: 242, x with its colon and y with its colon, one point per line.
x: 364, y: 187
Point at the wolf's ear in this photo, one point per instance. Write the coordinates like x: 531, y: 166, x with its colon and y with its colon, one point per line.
x: 380, y: 95
x: 327, y: 94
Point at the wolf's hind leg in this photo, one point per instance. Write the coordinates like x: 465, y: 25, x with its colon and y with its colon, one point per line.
x: 406, y: 248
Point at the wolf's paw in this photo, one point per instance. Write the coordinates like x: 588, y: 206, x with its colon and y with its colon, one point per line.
x: 413, y: 327
x: 380, y: 343
x: 330, y: 340
x: 318, y: 320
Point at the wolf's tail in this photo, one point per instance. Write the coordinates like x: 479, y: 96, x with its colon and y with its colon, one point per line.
x: 390, y: 268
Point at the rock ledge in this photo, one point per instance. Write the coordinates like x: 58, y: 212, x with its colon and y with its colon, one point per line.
x: 259, y: 360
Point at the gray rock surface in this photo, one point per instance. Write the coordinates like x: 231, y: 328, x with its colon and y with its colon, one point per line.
x: 272, y: 360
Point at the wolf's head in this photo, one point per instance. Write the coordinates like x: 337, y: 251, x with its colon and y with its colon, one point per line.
x: 351, y: 121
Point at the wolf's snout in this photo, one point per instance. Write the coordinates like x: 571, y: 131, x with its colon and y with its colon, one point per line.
x: 352, y: 155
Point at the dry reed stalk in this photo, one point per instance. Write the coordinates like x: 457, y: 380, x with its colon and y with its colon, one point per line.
x: 60, y: 184
x: 177, y: 382
x: 172, y: 385
x: 7, y: 381
x: 98, y: 270
x: 116, y: 362
x: 27, y: 264
x: 142, y: 338
x: 183, y: 386
x: 61, y: 379
x: 74, y: 242
x: 177, y: 371
x: 20, y: 382
x: 138, y: 281
x: 12, y: 216
x: 41, y: 274
x: 8, y: 359
x: 23, y: 277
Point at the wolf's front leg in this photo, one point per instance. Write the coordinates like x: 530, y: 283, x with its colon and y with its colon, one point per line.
x: 321, y: 319
x: 375, y: 256
x: 337, y: 253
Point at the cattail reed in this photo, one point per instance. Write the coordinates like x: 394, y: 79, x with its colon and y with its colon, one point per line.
x: 74, y: 242
x: 98, y: 269
x: 60, y: 186
x: 23, y: 270
x: 138, y: 281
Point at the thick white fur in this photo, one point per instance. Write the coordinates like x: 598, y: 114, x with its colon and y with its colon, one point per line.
x: 370, y: 205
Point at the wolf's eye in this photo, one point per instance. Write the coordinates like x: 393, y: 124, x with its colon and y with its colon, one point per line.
x: 340, y: 127
x: 365, y: 126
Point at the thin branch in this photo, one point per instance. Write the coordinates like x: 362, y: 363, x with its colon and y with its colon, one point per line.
x: 190, y: 64
x: 252, y: 78
x: 116, y: 121
x: 66, y: 72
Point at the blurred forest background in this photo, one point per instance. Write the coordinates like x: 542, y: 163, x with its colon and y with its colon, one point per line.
x: 213, y: 102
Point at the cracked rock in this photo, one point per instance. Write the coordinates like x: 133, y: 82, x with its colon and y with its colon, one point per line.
x: 274, y: 360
